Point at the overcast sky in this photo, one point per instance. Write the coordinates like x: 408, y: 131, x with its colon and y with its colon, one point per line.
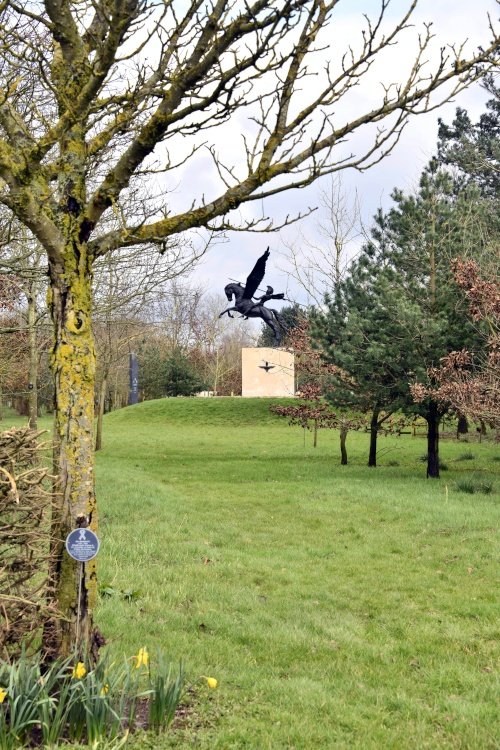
x: 453, y: 21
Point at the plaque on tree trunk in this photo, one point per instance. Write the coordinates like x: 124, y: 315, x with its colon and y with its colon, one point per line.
x: 82, y: 545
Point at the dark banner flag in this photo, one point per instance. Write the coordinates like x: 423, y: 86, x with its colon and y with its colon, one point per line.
x: 133, y: 395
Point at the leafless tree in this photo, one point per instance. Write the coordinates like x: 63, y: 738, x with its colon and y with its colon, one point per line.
x: 318, y: 266
x: 23, y: 273
x: 218, y: 343
x: 126, y: 284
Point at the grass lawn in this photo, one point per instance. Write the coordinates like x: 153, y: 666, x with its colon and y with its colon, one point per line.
x: 338, y: 607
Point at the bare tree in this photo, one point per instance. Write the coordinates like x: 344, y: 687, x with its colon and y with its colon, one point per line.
x: 174, y: 309
x: 23, y: 268
x: 126, y: 283
x: 218, y: 343
x: 318, y: 266
x: 89, y: 91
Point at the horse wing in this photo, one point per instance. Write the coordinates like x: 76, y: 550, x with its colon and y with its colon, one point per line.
x: 256, y: 276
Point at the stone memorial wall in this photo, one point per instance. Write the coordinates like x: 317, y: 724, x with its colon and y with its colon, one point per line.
x: 267, y: 372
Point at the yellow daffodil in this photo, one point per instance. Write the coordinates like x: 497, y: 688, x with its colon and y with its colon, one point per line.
x: 211, y: 682
x: 79, y: 671
x: 104, y: 690
x: 3, y: 695
x: 142, y: 658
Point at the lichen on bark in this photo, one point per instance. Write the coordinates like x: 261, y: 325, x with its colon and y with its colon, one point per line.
x: 73, y: 365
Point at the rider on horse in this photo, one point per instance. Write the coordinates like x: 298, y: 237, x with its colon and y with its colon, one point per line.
x: 244, y: 299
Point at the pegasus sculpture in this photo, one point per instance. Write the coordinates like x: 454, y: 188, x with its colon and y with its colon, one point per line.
x: 253, y: 307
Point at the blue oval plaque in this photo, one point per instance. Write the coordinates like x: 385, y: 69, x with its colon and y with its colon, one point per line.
x: 82, y: 544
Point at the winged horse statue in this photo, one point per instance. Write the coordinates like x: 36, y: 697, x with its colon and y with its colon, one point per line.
x: 249, y: 306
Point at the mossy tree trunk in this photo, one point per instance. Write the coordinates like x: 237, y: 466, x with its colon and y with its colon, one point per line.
x: 33, y: 358
x: 73, y: 365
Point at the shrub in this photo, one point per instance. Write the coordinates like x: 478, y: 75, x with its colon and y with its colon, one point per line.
x: 24, y: 539
x: 467, y: 456
x: 473, y: 485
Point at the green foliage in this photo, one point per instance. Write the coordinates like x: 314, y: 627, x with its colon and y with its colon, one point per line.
x: 66, y: 701
x: 473, y: 484
x: 467, y: 456
x: 291, y: 316
x: 472, y: 149
x: 167, y: 374
x: 180, y: 377
x: 166, y: 689
x: 128, y: 594
x: 399, y: 311
x: 151, y: 372
x: 361, y: 332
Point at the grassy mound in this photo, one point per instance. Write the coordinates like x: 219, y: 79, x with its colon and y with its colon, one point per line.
x: 201, y: 411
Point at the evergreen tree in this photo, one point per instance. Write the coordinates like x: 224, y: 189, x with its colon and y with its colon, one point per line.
x: 424, y: 233
x: 399, y: 311
x: 291, y: 315
x: 472, y: 150
x: 180, y: 377
x: 151, y: 369
x: 361, y: 331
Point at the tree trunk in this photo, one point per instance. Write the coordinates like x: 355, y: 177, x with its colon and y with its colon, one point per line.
x: 315, y: 434
x: 372, y: 457
x: 73, y: 585
x: 33, y: 359
x: 462, y: 426
x: 100, y: 411
x: 21, y: 406
x: 343, y: 449
x: 433, y: 418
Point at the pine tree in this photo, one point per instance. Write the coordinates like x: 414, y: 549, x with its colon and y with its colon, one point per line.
x: 180, y: 378
x: 399, y: 311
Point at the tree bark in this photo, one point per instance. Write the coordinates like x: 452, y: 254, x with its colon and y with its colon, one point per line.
x: 372, y: 456
x: 100, y: 411
x: 73, y: 585
x: 343, y: 449
x: 462, y: 426
x: 433, y: 418
x: 33, y: 359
